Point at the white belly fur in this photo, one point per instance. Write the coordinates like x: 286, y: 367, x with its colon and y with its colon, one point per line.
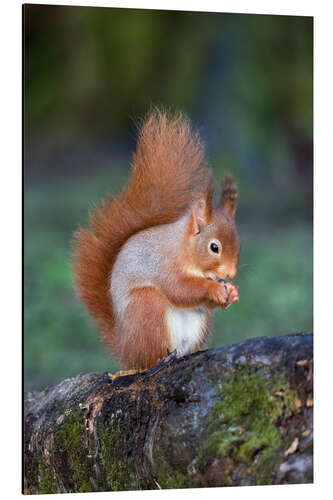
x: 185, y: 327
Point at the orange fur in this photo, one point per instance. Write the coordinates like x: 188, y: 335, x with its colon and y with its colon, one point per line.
x: 168, y: 176
x: 168, y: 277
x: 145, y: 318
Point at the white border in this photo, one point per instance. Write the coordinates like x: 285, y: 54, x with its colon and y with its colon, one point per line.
x: 10, y: 95
x: 283, y: 7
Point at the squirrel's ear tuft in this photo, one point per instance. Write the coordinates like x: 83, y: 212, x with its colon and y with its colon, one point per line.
x: 201, y: 212
x: 229, y: 194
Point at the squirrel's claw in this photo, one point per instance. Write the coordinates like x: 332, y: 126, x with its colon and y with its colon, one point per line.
x: 233, y: 294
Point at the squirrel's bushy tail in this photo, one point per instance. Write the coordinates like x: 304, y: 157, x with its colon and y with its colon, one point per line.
x: 168, y: 175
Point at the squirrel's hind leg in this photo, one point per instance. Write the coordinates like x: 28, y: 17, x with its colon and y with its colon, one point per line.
x: 144, y: 339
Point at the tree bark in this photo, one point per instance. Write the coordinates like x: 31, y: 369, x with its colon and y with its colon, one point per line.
x: 237, y: 415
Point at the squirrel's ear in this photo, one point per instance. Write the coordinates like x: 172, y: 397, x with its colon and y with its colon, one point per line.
x: 229, y: 194
x: 201, y: 212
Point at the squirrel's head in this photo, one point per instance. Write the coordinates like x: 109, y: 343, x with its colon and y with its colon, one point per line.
x: 214, y: 246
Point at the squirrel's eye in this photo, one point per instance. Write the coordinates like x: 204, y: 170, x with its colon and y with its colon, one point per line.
x: 214, y: 247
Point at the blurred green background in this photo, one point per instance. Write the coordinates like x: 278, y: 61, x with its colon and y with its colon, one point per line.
x: 245, y: 81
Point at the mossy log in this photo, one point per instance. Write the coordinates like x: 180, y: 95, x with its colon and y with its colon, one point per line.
x: 237, y: 415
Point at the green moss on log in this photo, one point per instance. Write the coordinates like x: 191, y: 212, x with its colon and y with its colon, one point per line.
x: 69, y: 439
x: 168, y: 477
x: 45, y: 479
x: 174, y: 480
x: 119, y: 472
x: 242, y: 425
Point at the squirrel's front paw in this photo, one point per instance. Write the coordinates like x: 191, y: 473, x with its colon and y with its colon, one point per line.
x: 233, y: 293
x: 219, y: 294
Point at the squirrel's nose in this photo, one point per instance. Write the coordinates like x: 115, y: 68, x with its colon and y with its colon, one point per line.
x: 232, y: 273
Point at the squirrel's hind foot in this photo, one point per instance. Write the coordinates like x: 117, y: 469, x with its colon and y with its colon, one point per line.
x: 123, y: 373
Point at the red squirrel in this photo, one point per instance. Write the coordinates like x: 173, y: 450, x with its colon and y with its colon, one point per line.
x: 153, y: 262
